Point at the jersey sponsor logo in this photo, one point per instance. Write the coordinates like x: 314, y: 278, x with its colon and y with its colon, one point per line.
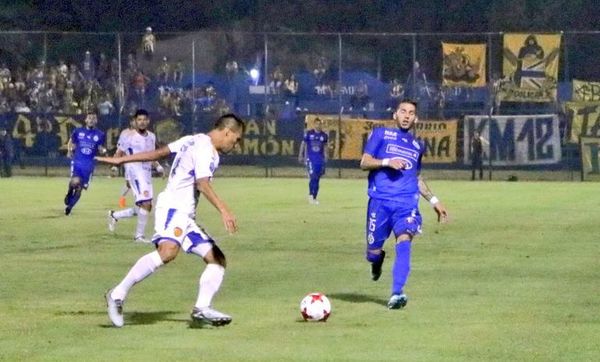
x: 404, y: 152
x: 390, y: 135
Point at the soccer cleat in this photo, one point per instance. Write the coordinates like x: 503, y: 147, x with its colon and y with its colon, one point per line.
x: 210, y: 316
x: 397, y: 301
x: 141, y: 240
x: 67, y: 199
x: 122, y: 202
x: 115, y: 309
x: 376, y: 267
x: 311, y: 200
x: 112, y: 222
x: 67, y: 210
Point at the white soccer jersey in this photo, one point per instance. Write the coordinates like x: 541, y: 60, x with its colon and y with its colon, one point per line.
x: 122, y: 145
x: 196, y: 158
x: 134, y: 142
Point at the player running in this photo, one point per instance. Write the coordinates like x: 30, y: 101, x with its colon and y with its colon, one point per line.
x: 196, y: 159
x: 138, y: 175
x: 85, y: 143
x: 393, y: 158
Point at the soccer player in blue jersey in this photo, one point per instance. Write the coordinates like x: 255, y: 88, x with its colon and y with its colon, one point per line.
x: 393, y: 158
x: 85, y: 143
x: 313, y: 151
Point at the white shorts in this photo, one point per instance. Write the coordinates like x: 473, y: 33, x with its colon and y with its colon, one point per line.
x: 141, y: 185
x: 179, y: 227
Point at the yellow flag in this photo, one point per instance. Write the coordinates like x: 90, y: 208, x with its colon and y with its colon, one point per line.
x: 464, y: 65
x: 530, y: 62
x: 585, y: 91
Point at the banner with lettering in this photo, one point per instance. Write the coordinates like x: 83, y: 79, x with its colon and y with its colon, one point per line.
x: 349, y: 135
x: 583, y: 120
x: 464, y: 65
x: 530, y: 61
x: 590, y: 158
x: 585, y: 91
x: 515, y: 140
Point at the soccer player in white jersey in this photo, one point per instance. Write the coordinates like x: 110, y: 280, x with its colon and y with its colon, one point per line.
x: 196, y: 159
x: 123, y: 137
x: 137, y: 174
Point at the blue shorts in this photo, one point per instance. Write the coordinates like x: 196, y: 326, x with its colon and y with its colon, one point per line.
x: 315, y: 169
x: 83, y: 171
x: 385, y: 216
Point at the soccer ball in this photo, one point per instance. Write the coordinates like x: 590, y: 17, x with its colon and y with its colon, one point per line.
x: 315, y: 307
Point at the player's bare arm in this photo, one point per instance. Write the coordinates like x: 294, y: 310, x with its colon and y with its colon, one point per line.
x: 439, y: 208
x: 137, y: 157
x: 302, y: 152
x: 70, y: 147
x: 203, y: 185
x: 368, y: 162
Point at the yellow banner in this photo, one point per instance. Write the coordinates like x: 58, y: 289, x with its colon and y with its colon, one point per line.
x: 583, y: 120
x: 348, y: 136
x: 585, y: 91
x: 530, y: 62
x: 590, y: 160
x: 440, y: 140
x: 464, y: 65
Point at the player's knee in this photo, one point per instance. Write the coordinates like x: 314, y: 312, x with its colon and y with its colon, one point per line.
x: 168, y: 251
x: 216, y: 256
x: 373, y: 255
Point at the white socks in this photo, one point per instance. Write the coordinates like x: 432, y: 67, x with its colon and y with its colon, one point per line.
x: 210, y: 282
x: 142, y: 220
x: 145, y: 266
x: 124, y: 214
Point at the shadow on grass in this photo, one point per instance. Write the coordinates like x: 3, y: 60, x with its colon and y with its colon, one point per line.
x: 357, y: 298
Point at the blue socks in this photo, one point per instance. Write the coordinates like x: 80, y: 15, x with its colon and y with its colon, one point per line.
x: 401, y: 267
x: 313, y: 186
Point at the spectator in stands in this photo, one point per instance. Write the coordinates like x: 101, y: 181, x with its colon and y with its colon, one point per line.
x: 178, y: 72
x: 148, y: 43
x: 88, y: 68
x: 320, y: 70
x: 360, y: 98
x: 164, y: 69
x: 290, y: 91
x: 6, y: 152
x: 5, y: 75
x: 277, y: 81
x: 105, y: 107
x: 139, y: 84
x: 231, y: 68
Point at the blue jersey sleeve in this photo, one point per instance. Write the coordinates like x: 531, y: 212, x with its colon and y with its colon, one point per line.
x: 373, y: 142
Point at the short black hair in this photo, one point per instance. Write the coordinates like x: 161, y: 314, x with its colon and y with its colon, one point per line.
x: 408, y: 100
x: 230, y: 121
x: 140, y: 112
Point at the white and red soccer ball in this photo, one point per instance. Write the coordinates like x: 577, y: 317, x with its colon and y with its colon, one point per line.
x: 315, y: 307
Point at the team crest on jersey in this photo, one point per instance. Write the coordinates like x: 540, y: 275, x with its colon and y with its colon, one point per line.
x: 146, y: 193
x: 416, y: 144
x: 96, y: 138
x: 177, y: 232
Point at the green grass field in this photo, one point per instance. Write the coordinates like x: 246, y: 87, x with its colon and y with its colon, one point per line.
x: 514, y: 276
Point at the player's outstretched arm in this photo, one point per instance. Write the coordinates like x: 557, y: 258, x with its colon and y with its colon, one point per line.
x: 228, y: 218
x: 137, y: 157
x: 438, y: 207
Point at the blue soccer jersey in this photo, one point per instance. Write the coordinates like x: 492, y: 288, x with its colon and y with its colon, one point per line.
x: 395, y: 185
x: 87, y: 141
x: 316, y: 146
